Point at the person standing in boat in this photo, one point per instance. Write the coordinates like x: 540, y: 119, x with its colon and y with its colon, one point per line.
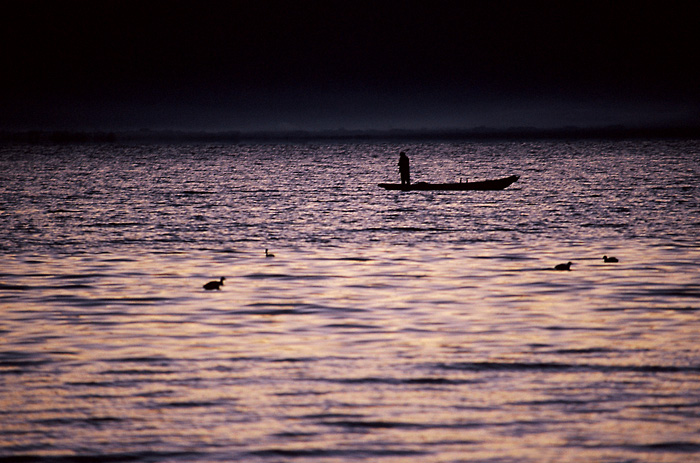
x: 404, y: 169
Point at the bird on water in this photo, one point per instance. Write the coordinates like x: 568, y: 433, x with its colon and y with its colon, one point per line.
x: 610, y: 259
x: 268, y: 254
x: 215, y: 284
x: 566, y: 266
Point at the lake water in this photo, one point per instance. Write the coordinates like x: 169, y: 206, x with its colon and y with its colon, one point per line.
x: 389, y: 326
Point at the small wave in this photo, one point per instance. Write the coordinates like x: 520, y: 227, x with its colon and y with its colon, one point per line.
x: 265, y: 308
x: 361, y: 424
x: 674, y: 406
x: 13, y: 362
x: 187, y: 404
x: 138, y: 372
x: 564, y: 367
x: 272, y: 312
x: 295, y: 360
x: 354, y: 454
x: 555, y: 402
x: 323, y: 416
x: 80, y: 276
x: 157, y: 360
x: 511, y: 256
x: 605, y: 225
x: 113, y: 224
x: 690, y: 292
x: 283, y: 276
x: 420, y: 229
x: 14, y: 287
x: 675, y: 447
x: 424, y: 381
x: 294, y: 434
x: 389, y: 229
x: 96, y: 422
x: 648, y: 309
x: 576, y: 328
x: 75, y: 286
x: 124, y: 457
x: 591, y: 350
x: 196, y: 193
x: 79, y: 301
x: 354, y: 326
x: 64, y: 211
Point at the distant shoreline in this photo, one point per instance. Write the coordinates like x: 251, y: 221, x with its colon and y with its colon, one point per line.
x: 474, y: 134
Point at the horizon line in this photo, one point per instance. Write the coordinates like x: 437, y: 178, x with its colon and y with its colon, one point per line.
x: 475, y: 133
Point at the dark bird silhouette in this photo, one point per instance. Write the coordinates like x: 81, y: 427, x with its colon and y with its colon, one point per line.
x: 610, y: 259
x: 267, y: 254
x: 566, y: 266
x: 215, y: 284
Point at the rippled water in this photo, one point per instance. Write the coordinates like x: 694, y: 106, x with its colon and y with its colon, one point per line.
x: 390, y: 326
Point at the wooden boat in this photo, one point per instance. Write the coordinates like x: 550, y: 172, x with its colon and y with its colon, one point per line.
x: 497, y: 184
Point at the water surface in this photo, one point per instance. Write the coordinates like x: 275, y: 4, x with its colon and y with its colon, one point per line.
x: 389, y: 326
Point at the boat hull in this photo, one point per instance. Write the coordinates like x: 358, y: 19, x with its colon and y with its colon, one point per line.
x: 497, y: 184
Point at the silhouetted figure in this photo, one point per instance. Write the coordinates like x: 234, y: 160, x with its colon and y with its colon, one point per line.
x: 404, y: 169
x: 215, y: 284
x: 268, y: 254
x: 566, y: 266
x: 610, y: 259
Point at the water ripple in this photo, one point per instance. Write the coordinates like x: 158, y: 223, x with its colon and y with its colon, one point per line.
x: 392, y: 326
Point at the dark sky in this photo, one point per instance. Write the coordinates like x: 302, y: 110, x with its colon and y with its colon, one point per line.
x: 248, y: 65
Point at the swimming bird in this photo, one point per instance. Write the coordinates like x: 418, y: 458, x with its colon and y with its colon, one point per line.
x: 267, y: 254
x: 610, y: 259
x: 566, y: 266
x: 215, y: 284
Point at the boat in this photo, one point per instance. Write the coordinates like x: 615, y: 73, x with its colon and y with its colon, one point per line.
x: 496, y: 184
